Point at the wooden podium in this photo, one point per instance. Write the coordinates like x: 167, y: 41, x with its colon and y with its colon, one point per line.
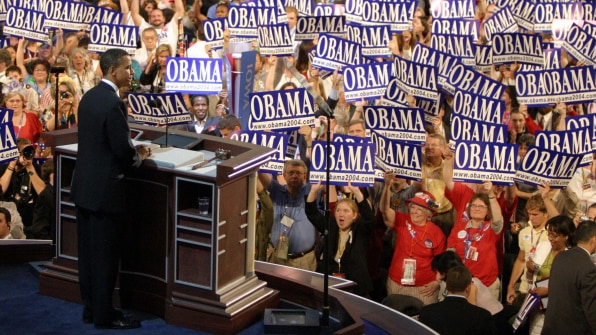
x: 194, y: 270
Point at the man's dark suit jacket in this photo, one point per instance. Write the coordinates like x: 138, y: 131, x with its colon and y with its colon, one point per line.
x: 455, y: 315
x: 105, y: 152
x: 571, y: 294
x: 211, y: 121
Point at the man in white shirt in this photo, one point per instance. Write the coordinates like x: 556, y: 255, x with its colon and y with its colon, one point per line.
x: 167, y: 32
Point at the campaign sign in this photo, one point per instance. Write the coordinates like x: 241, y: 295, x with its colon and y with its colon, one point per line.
x: 282, y: 17
x: 581, y: 45
x: 552, y: 59
x: 509, y: 48
x: 546, y: 12
x: 108, y: 36
x: 589, y: 27
x: 457, y: 27
x: 401, y: 157
x: 475, y: 162
x: 523, y: 10
x: 304, y: 7
x: 373, y: 39
x: 542, y: 165
x: 275, y: 40
x: 349, y: 139
x: 502, y: 21
x: 213, y: 30
x: 406, y: 124
x: 451, y: 9
x: 334, y: 52
x: 243, y: 20
x: 70, y: 15
x: 417, y: 79
x: 397, y: 14
x: 8, y: 143
x: 577, y: 141
x: 484, y: 58
x: 559, y: 31
x: 353, y: 11
x: 467, y: 79
x: 478, y: 107
x: 432, y: 107
x: 270, y: 139
x: 194, y: 75
x: 367, y: 81
x: 281, y: 110
x: 430, y: 56
x: 328, y: 9
x: 4, y: 4
x: 466, y: 129
x: 580, y: 121
x: 348, y: 162
x: 570, y: 85
x: 461, y: 46
x: 4, y: 42
x: 25, y: 23
x: 309, y: 27
x: 589, y: 11
x: 173, y: 109
x: 394, y: 96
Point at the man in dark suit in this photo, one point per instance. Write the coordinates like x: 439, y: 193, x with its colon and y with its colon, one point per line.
x: 455, y: 315
x: 572, y: 287
x: 202, y: 123
x: 105, y: 154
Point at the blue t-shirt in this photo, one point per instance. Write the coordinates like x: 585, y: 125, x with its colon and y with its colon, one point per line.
x: 302, y: 234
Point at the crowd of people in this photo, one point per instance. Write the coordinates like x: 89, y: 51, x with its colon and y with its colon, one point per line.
x: 417, y: 241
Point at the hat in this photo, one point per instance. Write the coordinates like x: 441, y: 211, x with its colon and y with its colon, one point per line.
x: 424, y: 199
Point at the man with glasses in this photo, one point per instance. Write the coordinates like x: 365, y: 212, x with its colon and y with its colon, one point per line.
x: 149, y: 38
x: 292, y: 235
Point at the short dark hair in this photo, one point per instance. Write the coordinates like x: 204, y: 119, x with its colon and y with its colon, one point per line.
x: 6, y: 213
x: 442, y: 262
x: 458, y: 279
x: 526, y: 138
x: 14, y: 68
x: 585, y: 231
x: 194, y: 96
x: 112, y: 57
x: 562, y: 224
x: 38, y: 61
x: 229, y: 122
x: 5, y: 57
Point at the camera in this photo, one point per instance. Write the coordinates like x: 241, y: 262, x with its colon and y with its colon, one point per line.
x: 584, y: 217
x: 28, y: 152
x: 63, y: 95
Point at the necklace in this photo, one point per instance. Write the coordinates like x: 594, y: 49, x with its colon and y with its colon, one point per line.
x: 20, y: 125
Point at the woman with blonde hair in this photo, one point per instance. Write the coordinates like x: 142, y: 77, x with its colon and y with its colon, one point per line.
x: 68, y: 105
x: 83, y: 78
x: 155, y: 71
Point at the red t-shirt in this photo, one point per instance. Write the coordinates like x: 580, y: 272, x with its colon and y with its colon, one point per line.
x: 483, y: 239
x: 428, y: 241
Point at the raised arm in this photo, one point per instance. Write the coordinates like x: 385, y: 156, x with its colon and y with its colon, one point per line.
x: 134, y: 12
x: 384, y: 205
x: 448, y: 167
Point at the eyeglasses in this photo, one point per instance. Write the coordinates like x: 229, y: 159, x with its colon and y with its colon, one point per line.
x: 553, y: 235
x: 477, y: 206
x: 295, y: 173
x: 39, y: 69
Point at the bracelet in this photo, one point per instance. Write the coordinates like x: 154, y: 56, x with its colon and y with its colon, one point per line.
x: 309, y: 147
x: 9, y: 168
x: 492, y: 197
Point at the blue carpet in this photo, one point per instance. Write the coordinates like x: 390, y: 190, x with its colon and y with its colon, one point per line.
x: 24, y: 311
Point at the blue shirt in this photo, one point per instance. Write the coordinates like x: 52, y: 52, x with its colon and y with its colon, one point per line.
x: 302, y: 233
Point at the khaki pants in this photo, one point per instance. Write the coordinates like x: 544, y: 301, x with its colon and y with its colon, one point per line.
x: 306, y: 262
x: 412, y: 291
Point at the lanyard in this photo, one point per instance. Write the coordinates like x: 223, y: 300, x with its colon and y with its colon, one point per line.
x: 468, y: 242
x: 413, y: 236
x: 537, y: 240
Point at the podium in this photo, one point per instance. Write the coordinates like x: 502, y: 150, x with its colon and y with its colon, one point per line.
x: 194, y: 270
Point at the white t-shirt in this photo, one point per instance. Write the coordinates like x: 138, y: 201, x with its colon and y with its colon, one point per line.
x: 197, y: 50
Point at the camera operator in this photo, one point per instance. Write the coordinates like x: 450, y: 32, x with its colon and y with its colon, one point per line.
x: 21, y: 182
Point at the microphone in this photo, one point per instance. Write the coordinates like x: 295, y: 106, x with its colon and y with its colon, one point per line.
x: 157, y: 103
x: 318, y: 98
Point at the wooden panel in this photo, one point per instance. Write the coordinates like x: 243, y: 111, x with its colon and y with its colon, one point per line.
x: 68, y: 238
x: 232, y: 235
x: 194, y: 264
